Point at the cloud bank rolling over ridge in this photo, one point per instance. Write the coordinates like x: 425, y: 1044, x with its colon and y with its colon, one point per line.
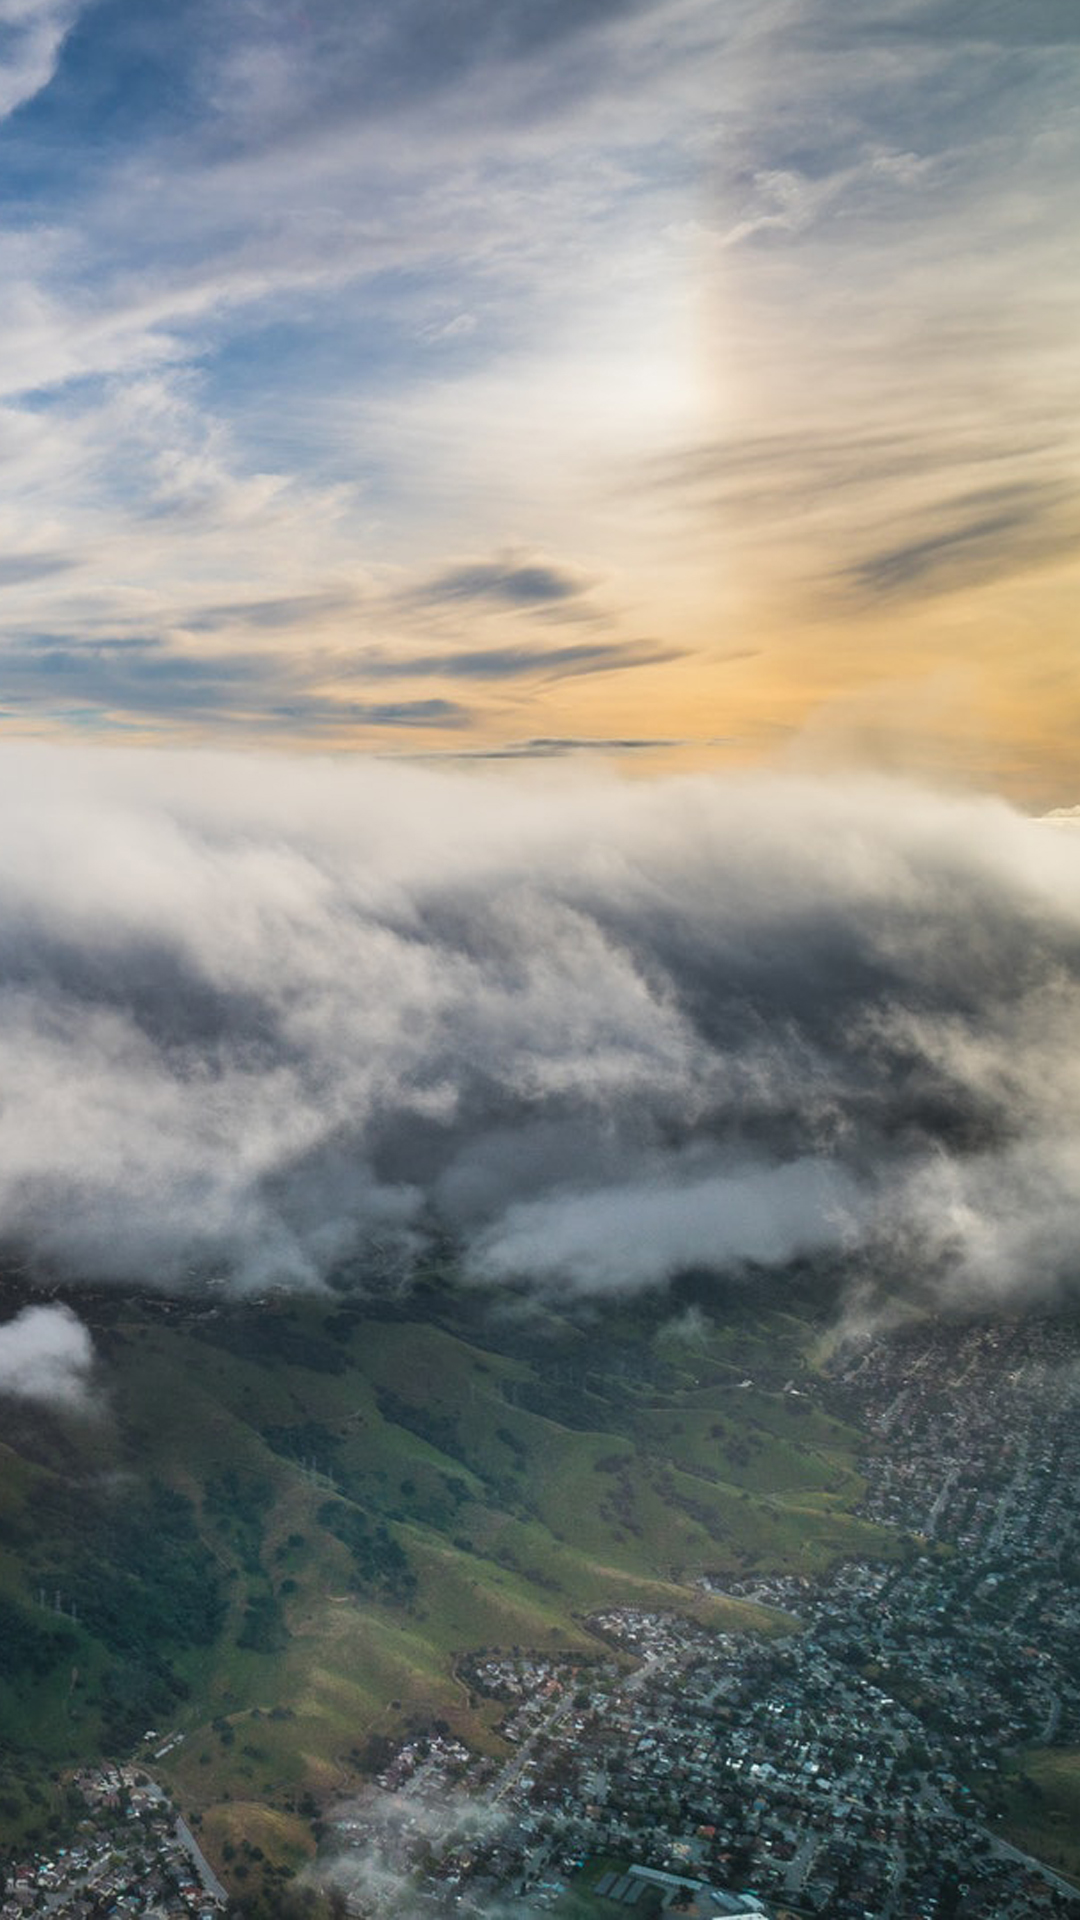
x: 258, y: 1017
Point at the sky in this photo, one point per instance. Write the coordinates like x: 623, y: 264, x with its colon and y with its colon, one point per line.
x: 419, y: 420
x: 540, y: 379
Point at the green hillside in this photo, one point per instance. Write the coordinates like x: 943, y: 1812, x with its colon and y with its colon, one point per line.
x: 1038, y: 1803
x: 290, y: 1518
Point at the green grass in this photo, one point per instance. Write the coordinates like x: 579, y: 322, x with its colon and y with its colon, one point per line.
x: 1042, y: 1807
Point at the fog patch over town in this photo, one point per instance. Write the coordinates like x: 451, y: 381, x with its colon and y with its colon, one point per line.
x: 258, y: 1016
x: 373, y: 1872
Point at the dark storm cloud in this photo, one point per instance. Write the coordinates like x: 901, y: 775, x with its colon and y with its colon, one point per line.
x: 255, y: 1015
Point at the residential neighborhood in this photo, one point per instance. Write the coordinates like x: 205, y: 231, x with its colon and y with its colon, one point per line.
x: 852, y: 1766
x: 130, y: 1854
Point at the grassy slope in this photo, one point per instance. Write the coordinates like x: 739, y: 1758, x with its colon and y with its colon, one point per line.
x: 1042, y: 1799
x: 516, y: 1483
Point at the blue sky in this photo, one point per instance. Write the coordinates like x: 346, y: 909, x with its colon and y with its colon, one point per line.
x: 443, y: 378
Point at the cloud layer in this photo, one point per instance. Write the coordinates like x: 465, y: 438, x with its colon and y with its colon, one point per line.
x: 260, y: 1017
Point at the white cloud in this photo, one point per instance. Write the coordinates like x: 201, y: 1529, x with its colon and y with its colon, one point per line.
x: 258, y: 1014
x: 622, y: 1238
x: 460, y: 223
x: 34, y: 32
x: 46, y: 1354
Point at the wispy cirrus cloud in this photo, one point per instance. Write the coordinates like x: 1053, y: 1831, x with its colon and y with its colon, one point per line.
x: 32, y: 34
x: 141, y: 681
x: 859, y: 172
x: 522, y: 662
x: 395, y: 192
x: 978, y: 536
x: 718, y: 331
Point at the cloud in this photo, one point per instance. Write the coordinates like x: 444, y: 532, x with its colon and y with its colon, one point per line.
x: 551, y: 746
x: 338, y: 65
x: 990, y: 531
x: 236, y: 232
x: 212, y: 205
x: 1043, y: 23
x: 516, y: 584
x: 258, y: 1015
x: 623, y: 1237
x: 286, y: 661
x: 46, y: 1354
x: 388, y: 1831
x: 853, y: 192
x: 518, y: 662
x: 284, y: 612
x: 32, y: 34
x: 138, y: 678
x: 17, y: 567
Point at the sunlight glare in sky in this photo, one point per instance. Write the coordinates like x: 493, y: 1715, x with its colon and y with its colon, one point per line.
x: 431, y: 381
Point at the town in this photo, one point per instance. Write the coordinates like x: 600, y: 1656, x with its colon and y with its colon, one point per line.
x: 129, y: 1854
x: 851, y: 1767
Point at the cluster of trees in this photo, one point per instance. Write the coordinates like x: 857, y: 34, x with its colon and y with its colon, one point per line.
x: 143, y: 1584
x: 136, y: 1567
x: 440, y: 1430
x: 238, y: 1503
x: 380, y: 1563
x: 308, y: 1443
x: 30, y: 1649
x: 272, y: 1339
x: 262, y: 1627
